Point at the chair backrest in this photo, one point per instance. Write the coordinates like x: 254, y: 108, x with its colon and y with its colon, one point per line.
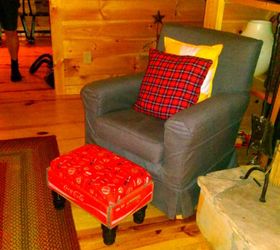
x: 237, y: 61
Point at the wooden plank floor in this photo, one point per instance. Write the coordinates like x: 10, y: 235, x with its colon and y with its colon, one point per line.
x: 31, y: 108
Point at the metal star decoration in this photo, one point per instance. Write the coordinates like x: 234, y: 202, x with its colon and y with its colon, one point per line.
x: 158, y: 17
x: 158, y: 21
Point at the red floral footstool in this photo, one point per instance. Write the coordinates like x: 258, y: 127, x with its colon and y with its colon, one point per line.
x: 106, y: 185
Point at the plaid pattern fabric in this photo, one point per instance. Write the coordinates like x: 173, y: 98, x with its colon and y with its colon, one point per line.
x: 171, y: 83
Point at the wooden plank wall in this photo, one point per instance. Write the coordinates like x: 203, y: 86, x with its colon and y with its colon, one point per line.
x: 98, y: 39
x: 228, y: 15
x: 236, y: 16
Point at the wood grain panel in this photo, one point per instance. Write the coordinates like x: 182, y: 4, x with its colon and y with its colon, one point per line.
x: 76, y: 10
x: 56, y: 11
x: 93, y: 29
x: 154, y: 233
x: 233, y: 15
x: 190, y: 11
x: 235, y: 20
x: 111, y: 10
x: 232, y: 12
x: 214, y: 11
x: 115, y: 64
x: 103, y: 47
x: 115, y: 33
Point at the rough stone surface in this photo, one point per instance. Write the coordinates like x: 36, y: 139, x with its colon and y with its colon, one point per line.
x: 230, y: 215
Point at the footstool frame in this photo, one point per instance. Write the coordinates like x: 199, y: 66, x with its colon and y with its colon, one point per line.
x: 108, y: 234
x: 136, y: 200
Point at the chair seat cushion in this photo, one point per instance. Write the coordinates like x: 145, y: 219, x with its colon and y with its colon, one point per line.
x: 135, y: 132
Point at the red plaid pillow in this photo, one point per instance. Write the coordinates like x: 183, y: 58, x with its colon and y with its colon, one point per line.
x: 171, y: 83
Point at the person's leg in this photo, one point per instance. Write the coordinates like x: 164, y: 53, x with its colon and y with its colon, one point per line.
x: 13, y: 47
x: 9, y: 10
x: 12, y: 43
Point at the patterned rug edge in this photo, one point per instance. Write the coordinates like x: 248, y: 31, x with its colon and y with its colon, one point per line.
x: 33, y: 223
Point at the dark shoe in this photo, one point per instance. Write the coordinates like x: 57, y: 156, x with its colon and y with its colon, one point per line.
x: 15, y: 74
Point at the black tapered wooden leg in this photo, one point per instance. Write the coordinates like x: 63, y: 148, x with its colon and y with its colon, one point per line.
x: 58, y: 200
x: 139, y: 216
x: 109, y: 235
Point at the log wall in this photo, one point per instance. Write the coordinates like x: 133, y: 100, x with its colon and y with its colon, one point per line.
x: 98, y: 39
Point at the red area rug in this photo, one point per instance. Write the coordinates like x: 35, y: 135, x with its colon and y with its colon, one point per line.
x: 28, y: 219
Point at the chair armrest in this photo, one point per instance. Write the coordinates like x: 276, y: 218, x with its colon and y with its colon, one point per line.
x: 112, y: 94
x: 203, y: 133
x: 107, y: 95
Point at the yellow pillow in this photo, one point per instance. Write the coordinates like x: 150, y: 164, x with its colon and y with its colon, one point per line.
x: 173, y: 46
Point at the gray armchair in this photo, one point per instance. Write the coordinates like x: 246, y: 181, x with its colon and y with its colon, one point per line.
x: 192, y: 142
